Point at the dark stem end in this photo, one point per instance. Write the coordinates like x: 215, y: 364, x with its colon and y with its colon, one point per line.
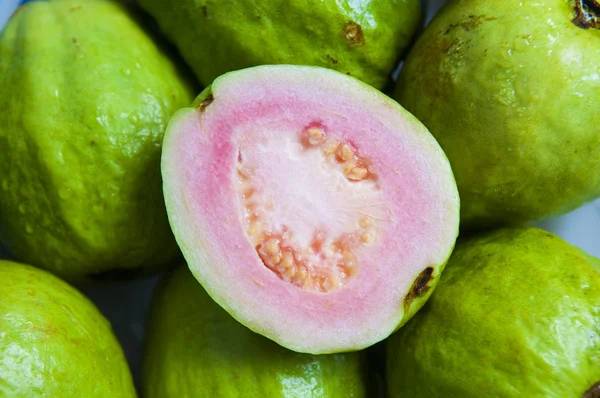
x: 587, y: 14
x: 593, y: 392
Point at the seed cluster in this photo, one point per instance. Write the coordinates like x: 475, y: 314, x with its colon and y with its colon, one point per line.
x: 355, y: 167
x: 327, y: 263
x: 320, y: 267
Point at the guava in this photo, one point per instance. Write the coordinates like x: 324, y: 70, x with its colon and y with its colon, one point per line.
x: 516, y: 314
x: 86, y: 95
x: 54, y: 342
x: 309, y: 205
x: 196, y: 349
x: 364, y: 39
x: 510, y: 91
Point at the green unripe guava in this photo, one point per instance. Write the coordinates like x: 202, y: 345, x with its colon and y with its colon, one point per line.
x: 510, y: 91
x: 364, y: 39
x: 85, y: 95
x: 516, y: 314
x: 196, y: 349
x: 54, y: 342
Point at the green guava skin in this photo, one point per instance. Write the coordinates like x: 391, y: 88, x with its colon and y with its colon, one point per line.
x: 86, y: 95
x: 516, y: 314
x: 364, y: 39
x: 54, y: 342
x: 510, y: 91
x: 196, y: 349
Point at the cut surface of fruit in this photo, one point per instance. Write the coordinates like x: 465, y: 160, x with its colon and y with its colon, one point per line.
x: 286, y: 180
x: 307, y: 204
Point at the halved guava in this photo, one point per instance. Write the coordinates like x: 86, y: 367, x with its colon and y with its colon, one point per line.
x: 314, y: 209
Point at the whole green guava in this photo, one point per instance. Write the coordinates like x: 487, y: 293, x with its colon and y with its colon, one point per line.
x: 54, y: 342
x: 85, y: 95
x: 516, y: 314
x: 196, y: 349
x: 510, y: 91
x: 364, y: 39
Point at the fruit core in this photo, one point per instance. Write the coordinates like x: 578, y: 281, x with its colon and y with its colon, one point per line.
x: 587, y: 14
x: 310, y: 202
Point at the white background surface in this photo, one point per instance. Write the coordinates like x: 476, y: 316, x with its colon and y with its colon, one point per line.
x: 125, y: 304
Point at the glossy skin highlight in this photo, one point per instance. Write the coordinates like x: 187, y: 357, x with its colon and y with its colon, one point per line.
x: 195, y: 349
x: 510, y: 91
x: 363, y: 38
x: 515, y: 315
x: 85, y: 95
x: 54, y: 342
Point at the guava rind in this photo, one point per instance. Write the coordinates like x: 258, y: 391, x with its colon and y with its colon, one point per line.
x: 509, y: 90
x: 86, y: 95
x: 199, y: 206
x: 194, y: 348
x: 515, y: 314
x: 364, y: 40
x: 53, y: 340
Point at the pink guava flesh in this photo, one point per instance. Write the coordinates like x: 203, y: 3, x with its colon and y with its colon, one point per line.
x: 311, y: 207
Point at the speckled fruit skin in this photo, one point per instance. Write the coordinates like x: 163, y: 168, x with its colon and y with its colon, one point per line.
x: 364, y: 39
x: 516, y: 314
x: 85, y: 95
x: 54, y: 342
x: 196, y: 349
x: 510, y: 91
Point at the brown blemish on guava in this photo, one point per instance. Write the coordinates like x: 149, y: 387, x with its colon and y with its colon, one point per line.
x: 451, y: 47
x: 473, y: 22
x: 46, y: 330
x: 204, y: 104
x: 593, y: 392
x: 78, y: 341
x: 354, y: 34
x: 333, y: 60
x: 74, y: 40
x: 204, y: 11
x: 92, y: 143
x: 75, y: 8
x: 420, y: 287
x: 587, y: 14
x: 31, y: 292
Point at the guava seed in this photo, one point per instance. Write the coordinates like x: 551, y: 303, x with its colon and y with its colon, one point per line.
x: 328, y: 262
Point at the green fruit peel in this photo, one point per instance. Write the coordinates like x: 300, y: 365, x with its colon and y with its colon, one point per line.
x: 54, y: 342
x: 510, y: 91
x: 516, y: 314
x: 196, y: 349
x: 86, y: 95
x: 364, y: 39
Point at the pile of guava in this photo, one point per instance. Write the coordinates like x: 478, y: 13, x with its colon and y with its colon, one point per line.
x: 321, y: 198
